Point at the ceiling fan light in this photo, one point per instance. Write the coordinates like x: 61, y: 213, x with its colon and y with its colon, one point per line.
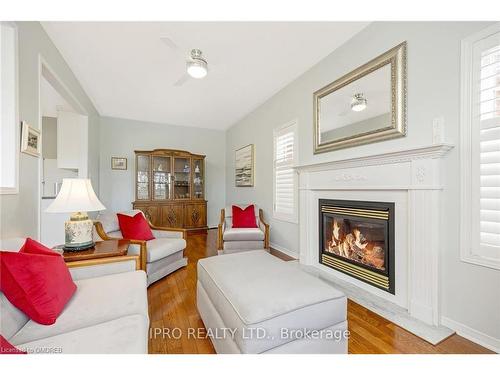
x: 358, y: 103
x: 197, y: 68
x: 358, y: 107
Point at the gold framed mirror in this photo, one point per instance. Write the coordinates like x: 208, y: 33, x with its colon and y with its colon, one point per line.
x: 364, y: 106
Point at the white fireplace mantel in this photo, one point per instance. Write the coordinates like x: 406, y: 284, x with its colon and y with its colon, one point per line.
x: 425, y: 152
x: 413, y: 175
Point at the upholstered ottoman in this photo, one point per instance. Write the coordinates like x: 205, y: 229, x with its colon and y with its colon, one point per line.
x: 253, y: 302
x: 234, y: 251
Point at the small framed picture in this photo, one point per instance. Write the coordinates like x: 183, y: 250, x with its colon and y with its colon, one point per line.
x: 119, y: 163
x: 30, y: 140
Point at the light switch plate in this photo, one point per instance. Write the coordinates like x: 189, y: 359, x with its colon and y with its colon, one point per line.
x: 438, y: 130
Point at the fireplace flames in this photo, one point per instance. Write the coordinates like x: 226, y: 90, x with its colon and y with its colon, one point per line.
x: 352, y: 244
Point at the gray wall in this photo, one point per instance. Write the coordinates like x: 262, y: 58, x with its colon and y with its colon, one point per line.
x: 94, y: 150
x: 49, y: 137
x: 19, y: 212
x: 120, y: 137
x: 469, y: 292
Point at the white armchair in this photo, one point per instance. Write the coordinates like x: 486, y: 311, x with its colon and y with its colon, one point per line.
x: 231, y: 240
x: 158, y: 257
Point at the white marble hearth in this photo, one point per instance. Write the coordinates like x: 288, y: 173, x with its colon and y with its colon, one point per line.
x: 412, y: 180
x: 390, y: 311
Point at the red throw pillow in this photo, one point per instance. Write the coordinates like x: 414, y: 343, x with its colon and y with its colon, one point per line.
x: 37, y: 281
x: 32, y: 247
x: 244, y: 218
x: 135, y: 227
x: 7, y: 348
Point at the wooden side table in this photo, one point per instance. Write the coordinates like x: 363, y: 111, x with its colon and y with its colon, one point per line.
x: 109, y: 251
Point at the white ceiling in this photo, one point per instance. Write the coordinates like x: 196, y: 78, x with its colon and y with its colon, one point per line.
x: 129, y: 72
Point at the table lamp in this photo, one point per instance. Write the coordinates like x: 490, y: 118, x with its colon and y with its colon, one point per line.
x: 78, y: 197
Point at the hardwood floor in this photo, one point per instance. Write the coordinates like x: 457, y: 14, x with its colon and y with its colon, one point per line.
x: 172, y: 311
x: 172, y: 303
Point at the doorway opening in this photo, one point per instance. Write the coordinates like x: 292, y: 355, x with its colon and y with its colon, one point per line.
x: 63, y: 123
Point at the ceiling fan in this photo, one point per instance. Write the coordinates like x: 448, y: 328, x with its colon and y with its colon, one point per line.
x: 196, y: 64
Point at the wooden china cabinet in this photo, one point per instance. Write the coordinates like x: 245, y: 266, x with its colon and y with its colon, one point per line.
x: 170, y: 188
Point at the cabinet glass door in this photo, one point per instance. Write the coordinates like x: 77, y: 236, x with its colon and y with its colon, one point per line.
x: 161, y: 177
x: 198, y: 179
x: 143, y: 177
x: 182, y: 179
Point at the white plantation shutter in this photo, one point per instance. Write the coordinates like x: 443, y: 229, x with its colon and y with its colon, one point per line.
x: 481, y: 148
x: 285, y: 179
x: 487, y: 75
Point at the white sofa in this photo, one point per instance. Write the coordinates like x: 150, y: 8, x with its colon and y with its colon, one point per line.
x: 257, y: 303
x: 159, y: 257
x: 107, y: 314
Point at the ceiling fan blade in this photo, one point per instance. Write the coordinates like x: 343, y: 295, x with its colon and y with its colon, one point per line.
x: 182, y: 80
x: 169, y: 43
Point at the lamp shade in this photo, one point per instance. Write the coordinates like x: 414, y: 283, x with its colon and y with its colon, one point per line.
x: 76, y: 195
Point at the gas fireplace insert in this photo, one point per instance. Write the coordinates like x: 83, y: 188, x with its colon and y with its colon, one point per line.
x: 357, y: 238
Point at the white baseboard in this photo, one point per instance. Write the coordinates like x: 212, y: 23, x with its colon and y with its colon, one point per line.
x: 284, y: 251
x: 471, y: 334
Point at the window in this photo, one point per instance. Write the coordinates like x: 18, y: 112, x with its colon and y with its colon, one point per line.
x: 285, y: 178
x: 480, y: 148
x: 9, y: 127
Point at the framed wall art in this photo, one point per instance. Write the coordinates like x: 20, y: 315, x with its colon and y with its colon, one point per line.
x: 30, y: 140
x: 244, y: 166
x: 119, y: 163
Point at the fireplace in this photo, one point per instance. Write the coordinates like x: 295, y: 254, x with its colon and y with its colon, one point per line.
x: 357, y: 238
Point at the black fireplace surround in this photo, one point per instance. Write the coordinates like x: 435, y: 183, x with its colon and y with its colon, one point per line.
x: 357, y: 238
